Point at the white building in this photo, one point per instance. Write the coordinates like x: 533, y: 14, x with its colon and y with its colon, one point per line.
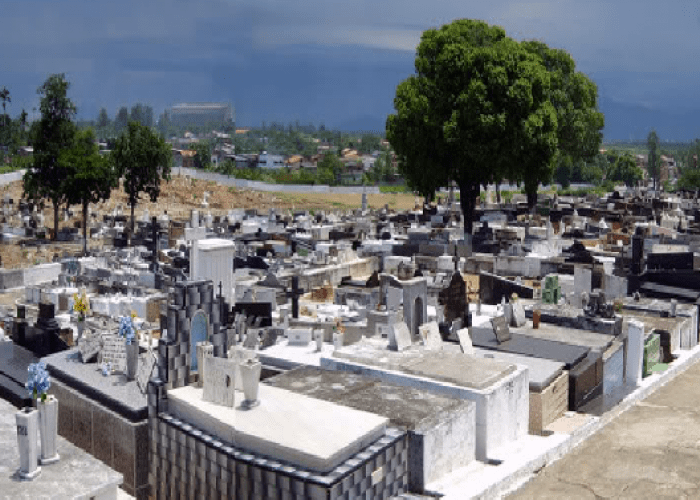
x: 266, y: 160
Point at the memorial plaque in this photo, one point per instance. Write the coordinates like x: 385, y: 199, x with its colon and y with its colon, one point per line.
x: 219, y: 381
x: 114, y: 352
x: 144, y: 370
x: 430, y: 332
x: 518, y: 317
x: 89, y: 347
x: 465, y: 341
x: 500, y: 329
x: 401, y: 336
x: 199, y: 332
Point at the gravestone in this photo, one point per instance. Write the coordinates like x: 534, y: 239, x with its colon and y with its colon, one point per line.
x: 219, y: 381
x: 582, y: 285
x: 89, y: 347
x: 252, y: 339
x: 114, y: 352
x: 518, y: 317
x: 147, y: 362
x: 500, y: 329
x: 401, y: 336
x: 465, y: 341
x: 454, y: 298
x: 198, y: 333
x: 430, y: 332
x: 299, y: 336
x: 204, y: 350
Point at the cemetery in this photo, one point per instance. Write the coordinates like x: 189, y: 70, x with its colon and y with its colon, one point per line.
x: 374, y: 353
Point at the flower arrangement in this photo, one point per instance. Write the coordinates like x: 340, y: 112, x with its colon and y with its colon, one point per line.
x: 38, y: 382
x: 106, y: 369
x: 80, y: 305
x: 514, y: 297
x: 126, y: 329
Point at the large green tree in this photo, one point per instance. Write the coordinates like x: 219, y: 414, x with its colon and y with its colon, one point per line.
x: 54, y: 132
x: 142, y: 158
x: 477, y: 110
x: 653, y: 160
x: 579, y: 122
x: 121, y: 120
x: 91, y: 176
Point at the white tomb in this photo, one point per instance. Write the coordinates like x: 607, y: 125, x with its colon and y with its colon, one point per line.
x: 212, y: 259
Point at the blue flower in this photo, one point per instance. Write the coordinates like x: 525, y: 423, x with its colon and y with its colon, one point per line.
x: 126, y: 329
x: 106, y: 369
x: 38, y: 381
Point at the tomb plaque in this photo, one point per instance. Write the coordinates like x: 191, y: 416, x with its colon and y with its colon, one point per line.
x: 500, y: 329
x: 114, y: 352
x: 145, y: 368
x: 219, y: 381
x: 518, y: 317
x: 299, y: 336
x: 89, y: 347
x: 204, y: 350
x: 465, y: 341
x: 402, y: 337
x: 430, y: 332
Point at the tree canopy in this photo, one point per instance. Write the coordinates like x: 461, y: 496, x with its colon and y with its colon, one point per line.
x: 483, y: 107
x: 91, y: 177
x: 142, y: 158
x: 53, y: 133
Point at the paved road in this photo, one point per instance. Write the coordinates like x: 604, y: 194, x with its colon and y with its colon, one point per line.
x: 652, y: 451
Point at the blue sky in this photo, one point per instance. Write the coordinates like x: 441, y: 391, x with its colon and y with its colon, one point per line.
x: 338, y: 62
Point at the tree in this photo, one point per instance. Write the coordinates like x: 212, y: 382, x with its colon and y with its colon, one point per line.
x: 142, y: 158
x: 329, y: 169
x: 5, y: 98
x: 53, y: 133
x: 579, y: 122
x: 622, y: 167
x: 103, y: 119
x: 653, y: 159
x: 91, y: 176
x: 202, y: 159
x: 476, y: 110
x: 121, y: 120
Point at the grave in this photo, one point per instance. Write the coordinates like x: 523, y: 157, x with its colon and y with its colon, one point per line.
x: 441, y: 430
x: 498, y: 389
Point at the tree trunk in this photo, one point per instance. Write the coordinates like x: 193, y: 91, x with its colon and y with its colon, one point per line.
x: 132, y: 220
x: 85, y: 214
x: 55, y: 220
x: 532, y: 200
x: 498, y: 193
x: 467, y: 196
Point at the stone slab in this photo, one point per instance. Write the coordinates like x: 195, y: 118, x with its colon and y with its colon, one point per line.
x: 542, y: 372
x: 115, y: 392
x: 568, y: 354
x: 304, y: 431
x: 66, y: 478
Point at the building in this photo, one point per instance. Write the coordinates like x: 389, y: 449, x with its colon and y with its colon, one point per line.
x: 202, y: 113
x: 267, y: 160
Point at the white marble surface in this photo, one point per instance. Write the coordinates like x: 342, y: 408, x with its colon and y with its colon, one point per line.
x: 304, y: 431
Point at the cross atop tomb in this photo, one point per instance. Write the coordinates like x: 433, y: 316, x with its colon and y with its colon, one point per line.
x: 295, y: 293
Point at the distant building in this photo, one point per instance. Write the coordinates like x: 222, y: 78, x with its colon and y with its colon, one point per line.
x: 266, y: 160
x: 201, y: 113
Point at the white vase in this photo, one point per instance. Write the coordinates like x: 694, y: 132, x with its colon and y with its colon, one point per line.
x: 132, y: 359
x: 318, y: 334
x: 27, y: 426
x: 48, y: 429
x: 81, y: 328
x: 250, y: 378
x: 338, y: 340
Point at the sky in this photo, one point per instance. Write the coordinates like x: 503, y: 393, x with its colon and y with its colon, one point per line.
x: 338, y: 62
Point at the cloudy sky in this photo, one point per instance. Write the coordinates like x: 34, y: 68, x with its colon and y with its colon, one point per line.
x: 338, y: 62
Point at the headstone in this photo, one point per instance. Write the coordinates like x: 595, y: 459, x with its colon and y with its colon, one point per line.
x: 219, y: 381
x: 401, y: 336
x: 145, y: 368
x: 430, y: 332
x: 465, y: 341
x: 252, y: 339
x: 114, y: 352
x: 89, y: 347
x: 198, y: 333
x: 518, y: 319
x: 299, y: 336
x: 500, y: 329
x: 204, y: 350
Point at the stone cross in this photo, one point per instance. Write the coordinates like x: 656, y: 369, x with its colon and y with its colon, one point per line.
x: 295, y: 293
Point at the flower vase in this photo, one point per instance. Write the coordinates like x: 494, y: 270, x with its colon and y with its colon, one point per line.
x: 27, y: 426
x: 132, y: 359
x: 250, y: 379
x: 48, y: 429
x: 81, y: 328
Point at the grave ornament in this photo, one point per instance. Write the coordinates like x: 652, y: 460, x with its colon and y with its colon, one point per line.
x: 219, y: 381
